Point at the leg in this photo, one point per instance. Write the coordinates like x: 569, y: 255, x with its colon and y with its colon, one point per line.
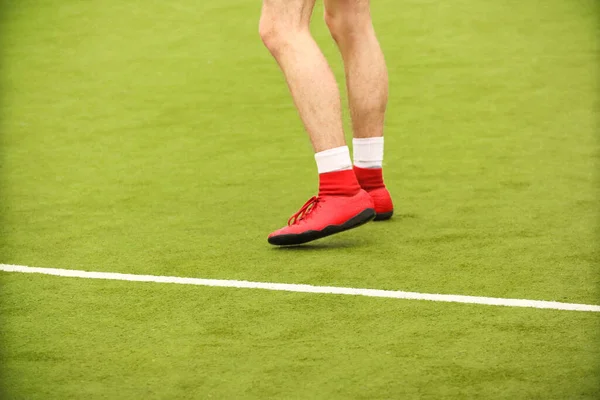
x: 284, y: 29
x: 341, y: 203
x: 349, y: 22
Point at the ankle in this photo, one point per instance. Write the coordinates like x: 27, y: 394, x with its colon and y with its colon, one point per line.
x: 369, y: 178
x: 338, y: 183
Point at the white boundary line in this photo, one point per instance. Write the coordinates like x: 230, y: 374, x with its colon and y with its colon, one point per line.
x: 450, y: 298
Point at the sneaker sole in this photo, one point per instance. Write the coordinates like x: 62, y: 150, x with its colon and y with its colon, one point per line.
x: 383, y: 216
x: 287, y: 240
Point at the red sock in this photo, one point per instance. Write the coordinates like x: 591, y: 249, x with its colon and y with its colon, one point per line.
x: 338, y: 183
x: 369, y: 178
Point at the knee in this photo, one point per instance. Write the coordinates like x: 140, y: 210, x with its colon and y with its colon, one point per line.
x: 348, y: 23
x: 269, y: 33
x: 275, y: 32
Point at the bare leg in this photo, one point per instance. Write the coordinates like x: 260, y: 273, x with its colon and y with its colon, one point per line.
x: 284, y: 29
x: 349, y: 22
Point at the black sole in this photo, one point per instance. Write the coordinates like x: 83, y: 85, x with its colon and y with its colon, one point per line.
x: 288, y: 240
x: 383, y: 216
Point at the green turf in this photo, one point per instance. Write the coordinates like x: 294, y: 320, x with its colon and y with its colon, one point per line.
x: 159, y: 138
x: 156, y: 341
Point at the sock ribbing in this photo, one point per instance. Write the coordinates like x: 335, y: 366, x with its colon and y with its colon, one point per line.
x: 336, y: 159
x: 368, y: 152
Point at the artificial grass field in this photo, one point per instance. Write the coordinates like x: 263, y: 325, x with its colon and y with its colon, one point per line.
x: 159, y: 138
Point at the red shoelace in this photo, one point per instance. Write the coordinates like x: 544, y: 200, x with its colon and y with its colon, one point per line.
x: 304, y: 211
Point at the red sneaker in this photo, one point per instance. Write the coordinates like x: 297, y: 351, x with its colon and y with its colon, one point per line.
x: 341, y: 205
x: 371, y: 180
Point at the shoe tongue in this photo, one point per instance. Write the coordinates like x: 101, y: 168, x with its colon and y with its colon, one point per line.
x: 338, y: 183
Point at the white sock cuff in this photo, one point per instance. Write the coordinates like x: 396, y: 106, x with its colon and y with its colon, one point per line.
x: 335, y: 159
x: 368, y: 152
